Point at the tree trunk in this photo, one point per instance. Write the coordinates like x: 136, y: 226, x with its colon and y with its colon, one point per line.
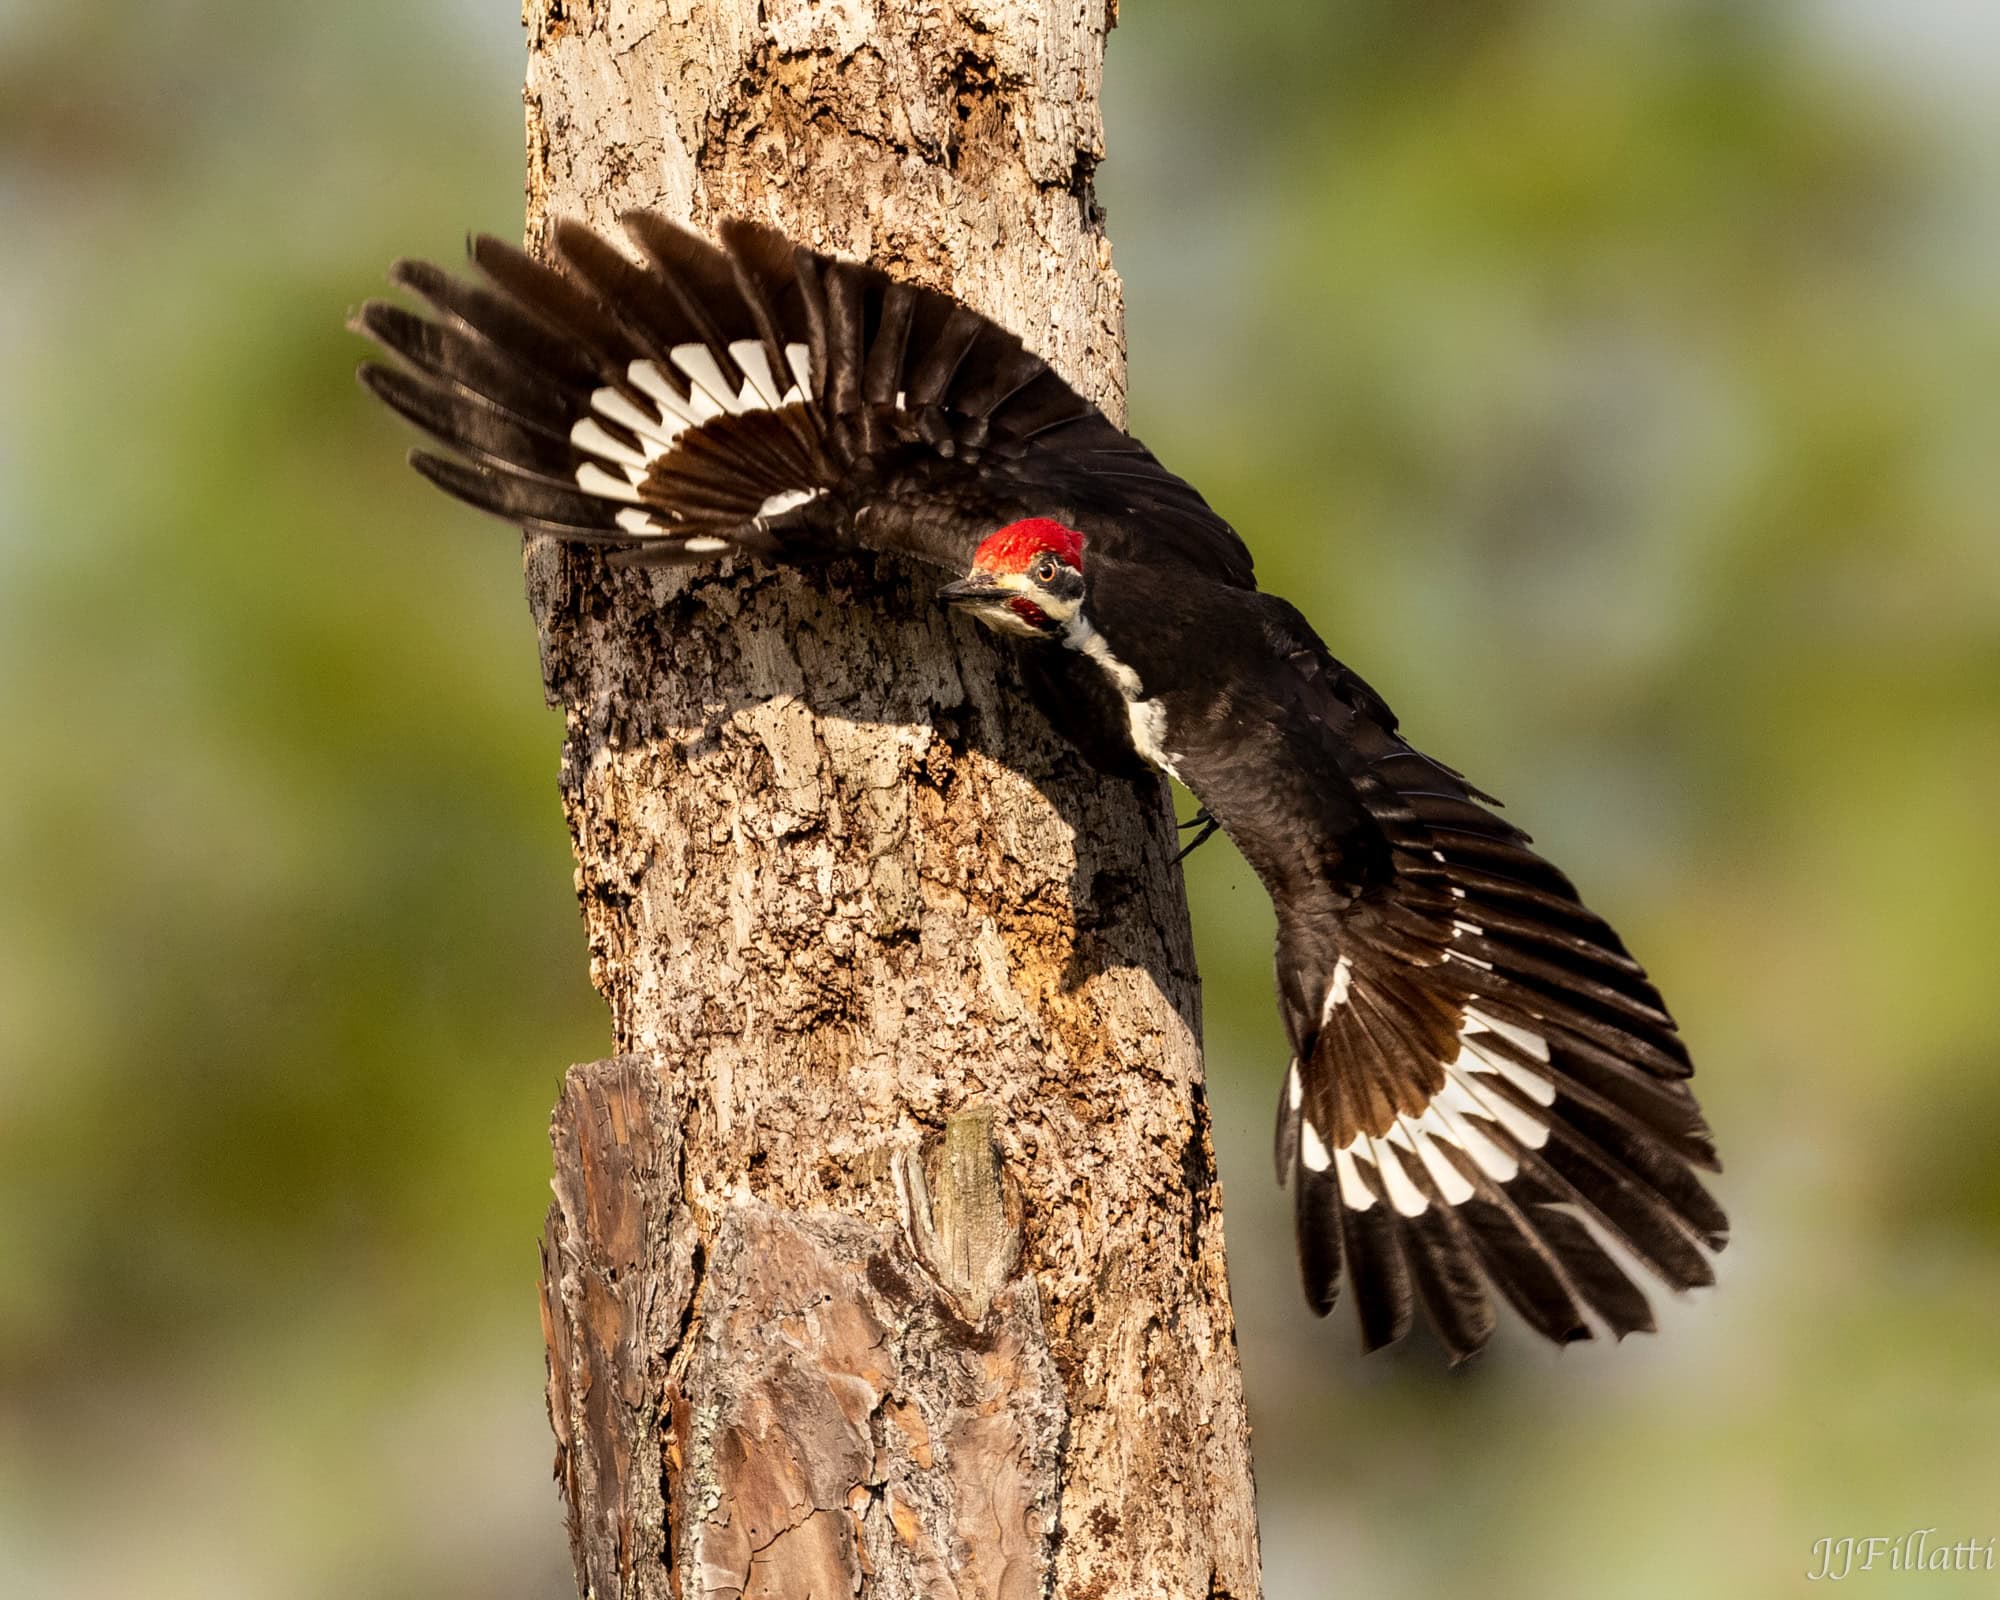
x: 887, y: 1258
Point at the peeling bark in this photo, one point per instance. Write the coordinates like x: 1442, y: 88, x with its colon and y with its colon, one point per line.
x: 889, y: 1259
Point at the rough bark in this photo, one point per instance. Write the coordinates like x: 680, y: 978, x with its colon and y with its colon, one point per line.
x: 888, y: 1259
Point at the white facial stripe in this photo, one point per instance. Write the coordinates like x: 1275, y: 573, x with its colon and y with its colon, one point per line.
x: 1001, y: 618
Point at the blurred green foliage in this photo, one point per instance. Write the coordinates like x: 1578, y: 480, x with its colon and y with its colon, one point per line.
x: 1611, y: 383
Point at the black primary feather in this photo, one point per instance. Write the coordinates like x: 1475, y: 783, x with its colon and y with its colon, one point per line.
x: 1487, y: 1094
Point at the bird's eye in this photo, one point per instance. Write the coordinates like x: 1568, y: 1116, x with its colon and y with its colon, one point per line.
x: 1045, y: 569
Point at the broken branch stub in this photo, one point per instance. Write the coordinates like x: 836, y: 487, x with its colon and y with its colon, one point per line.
x: 814, y: 1404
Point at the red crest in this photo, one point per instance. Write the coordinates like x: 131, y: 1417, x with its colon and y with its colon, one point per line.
x: 1014, y: 546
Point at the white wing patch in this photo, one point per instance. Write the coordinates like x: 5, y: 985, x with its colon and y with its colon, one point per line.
x: 618, y: 469
x: 1460, y: 929
x: 656, y: 433
x: 755, y: 365
x: 1337, y: 991
x: 787, y: 500
x: 1459, y: 1115
x: 593, y: 479
x: 800, y: 361
x: 589, y: 435
x: 705, y: 379
x: 677, y: 411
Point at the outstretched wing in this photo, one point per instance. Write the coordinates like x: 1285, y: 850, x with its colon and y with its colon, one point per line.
x: 1485, y: 1082
x: 762, y: 398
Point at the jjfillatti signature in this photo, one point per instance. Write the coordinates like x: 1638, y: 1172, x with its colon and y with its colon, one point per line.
x: 1912, y: 1552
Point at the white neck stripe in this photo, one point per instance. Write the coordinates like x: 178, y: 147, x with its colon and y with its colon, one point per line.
x: 1147, y: 719
x: 1081, y: 635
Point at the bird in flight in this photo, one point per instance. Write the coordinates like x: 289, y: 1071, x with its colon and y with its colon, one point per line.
x: 1485, y: 1088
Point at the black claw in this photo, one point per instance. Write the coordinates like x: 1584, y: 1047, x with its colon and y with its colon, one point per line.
x: 1208, y: 826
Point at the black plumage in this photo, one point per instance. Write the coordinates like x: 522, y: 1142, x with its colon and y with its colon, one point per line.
x: 1485, y: 1085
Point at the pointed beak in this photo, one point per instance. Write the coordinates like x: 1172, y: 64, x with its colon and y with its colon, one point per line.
x: 969, y: 591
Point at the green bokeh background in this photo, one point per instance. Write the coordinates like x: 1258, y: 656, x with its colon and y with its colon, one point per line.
x: 1616, y: 384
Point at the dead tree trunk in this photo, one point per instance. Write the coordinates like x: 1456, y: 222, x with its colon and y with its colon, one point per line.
x: 887, y: 1258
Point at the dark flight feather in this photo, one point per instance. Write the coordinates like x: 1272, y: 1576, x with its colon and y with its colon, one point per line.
x: 1488, y: 1093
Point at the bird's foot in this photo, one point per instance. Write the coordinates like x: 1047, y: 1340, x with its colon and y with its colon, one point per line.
x: 1202, y: 820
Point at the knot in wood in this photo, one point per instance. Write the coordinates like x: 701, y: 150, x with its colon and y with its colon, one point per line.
x: 961, y: 1212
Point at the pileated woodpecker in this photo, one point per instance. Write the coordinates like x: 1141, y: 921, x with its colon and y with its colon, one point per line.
x: 1484, y: 1086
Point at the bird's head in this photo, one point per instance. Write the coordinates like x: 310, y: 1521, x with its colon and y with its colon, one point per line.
x: 1026, y: 579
